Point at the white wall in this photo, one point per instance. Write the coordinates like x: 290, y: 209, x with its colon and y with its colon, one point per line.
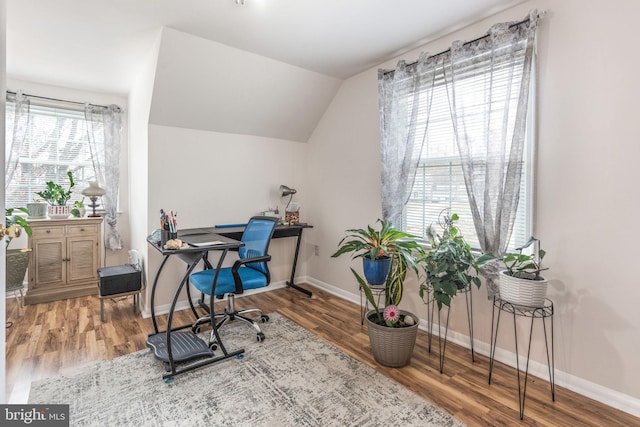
x: 216, y: 178
x: 586, y: 190
x: 139, y: 107
x: 3, y: 258
x: 201, y: 84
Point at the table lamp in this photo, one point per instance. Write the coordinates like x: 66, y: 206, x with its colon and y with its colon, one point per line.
x: 93, y: 192
x: 286, y: 191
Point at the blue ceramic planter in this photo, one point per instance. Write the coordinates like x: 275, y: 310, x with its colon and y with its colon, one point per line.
x: 376, y: 270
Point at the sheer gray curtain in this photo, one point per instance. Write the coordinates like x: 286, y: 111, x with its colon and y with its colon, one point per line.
x: 107, y: 123
x: 16, y: 133
x: 405, y: 101
x: 488, y: 83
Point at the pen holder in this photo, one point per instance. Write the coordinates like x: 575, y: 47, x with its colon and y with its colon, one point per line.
x: 291, y: 217
x: 166, y: 235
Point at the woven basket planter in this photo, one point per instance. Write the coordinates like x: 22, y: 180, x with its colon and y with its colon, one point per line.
x: 17, y: 263
x: 392, y: 347
x: 531, y: 293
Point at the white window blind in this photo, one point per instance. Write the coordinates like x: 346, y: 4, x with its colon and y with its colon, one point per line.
x: 439, y: 182
x: 56, y: 141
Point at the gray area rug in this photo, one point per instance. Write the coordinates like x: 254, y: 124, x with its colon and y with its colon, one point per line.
x: 293, y: 378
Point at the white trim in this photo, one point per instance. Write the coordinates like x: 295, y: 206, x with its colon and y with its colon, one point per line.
x: 184, y: 304
x: 602, y: 394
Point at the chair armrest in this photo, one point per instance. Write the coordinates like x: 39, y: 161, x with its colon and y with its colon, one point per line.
x: 239, y: 263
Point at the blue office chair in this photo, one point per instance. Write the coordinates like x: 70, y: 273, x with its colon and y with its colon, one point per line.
x: 250, y: 271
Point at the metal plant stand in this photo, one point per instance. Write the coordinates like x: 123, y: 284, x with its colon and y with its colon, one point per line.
x: 442, y: 341
x: 533, y: 313
x: 378, y: 292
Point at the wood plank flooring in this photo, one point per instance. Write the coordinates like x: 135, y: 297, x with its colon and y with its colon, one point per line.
x: 62, y: 336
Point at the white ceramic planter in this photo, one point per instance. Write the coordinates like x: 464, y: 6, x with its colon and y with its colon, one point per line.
x: 531, y: 293
x: 58, y: 212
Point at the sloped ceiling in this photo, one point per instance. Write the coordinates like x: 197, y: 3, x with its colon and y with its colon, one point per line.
x: 202, y: 84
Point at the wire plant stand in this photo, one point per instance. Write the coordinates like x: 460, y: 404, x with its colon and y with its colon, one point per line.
x: 442, y: 340
x: 544, y: 312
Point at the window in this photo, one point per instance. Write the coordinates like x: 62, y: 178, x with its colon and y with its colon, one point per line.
x: 439, y: 182
x: 55, y: 141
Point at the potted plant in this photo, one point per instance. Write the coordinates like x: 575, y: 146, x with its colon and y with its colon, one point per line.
x: 17, y: 259
x: 78, y: 209
x: 37, y: 209
x: 57, y: 197
x: 392, y: 332
x: 450, y: 265
x: 520, y: 282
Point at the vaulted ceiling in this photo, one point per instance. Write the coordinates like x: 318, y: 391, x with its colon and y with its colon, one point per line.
x: 101, y: 45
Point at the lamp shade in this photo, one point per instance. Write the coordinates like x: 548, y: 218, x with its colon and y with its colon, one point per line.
x: 93, y: 190
x: 286, y: 191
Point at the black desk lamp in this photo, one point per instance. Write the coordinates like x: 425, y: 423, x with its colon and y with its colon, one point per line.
x: 286, y: 191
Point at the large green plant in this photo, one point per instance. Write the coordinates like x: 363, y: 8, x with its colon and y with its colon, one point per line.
x: 15, y: 223
x: 449, y: 265
x: 401, y: 247
x: 55, y: 194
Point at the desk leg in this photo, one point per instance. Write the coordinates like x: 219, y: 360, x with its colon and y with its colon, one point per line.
x: 290, y: 283
x: 153, y: 294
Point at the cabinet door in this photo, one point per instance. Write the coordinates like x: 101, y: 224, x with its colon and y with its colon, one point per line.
x: 82, y: 254
x: 50, y: 262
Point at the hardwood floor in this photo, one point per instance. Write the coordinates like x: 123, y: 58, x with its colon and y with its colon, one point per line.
x: 62, y: 336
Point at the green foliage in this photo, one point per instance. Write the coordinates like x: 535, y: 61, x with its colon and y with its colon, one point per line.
x: 77, y: 205
x: 522, y: 266
x: 55, y: 194
x: 449, y: 265
x: 15, y: 223
x: 401, y: 247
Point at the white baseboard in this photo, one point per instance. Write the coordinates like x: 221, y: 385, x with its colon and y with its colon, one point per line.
x: 584, y: 387
x: 184, y: 304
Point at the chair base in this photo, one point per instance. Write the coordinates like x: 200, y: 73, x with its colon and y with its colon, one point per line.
x: 231, y: 314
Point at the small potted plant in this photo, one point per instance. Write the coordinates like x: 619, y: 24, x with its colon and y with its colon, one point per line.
x: 450, y: 265
x: 57, y: 197
x: 520, y: 282
x: 17, y: 259
x: 78, y: 209
x: 392, y: 332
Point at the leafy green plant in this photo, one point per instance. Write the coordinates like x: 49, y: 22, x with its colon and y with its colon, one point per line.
x: 15, y: 224
x: 450, y: 265
x: 55, y: 194
x: 401, y: 247
x: 77, y: 205
x: 519, y: 265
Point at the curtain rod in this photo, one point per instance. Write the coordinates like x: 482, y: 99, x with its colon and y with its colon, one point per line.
x: 515, y: 24
x: 59, y: 100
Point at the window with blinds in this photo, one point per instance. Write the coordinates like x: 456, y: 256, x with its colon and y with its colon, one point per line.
x: 439, y: 182
x: 56, y: 141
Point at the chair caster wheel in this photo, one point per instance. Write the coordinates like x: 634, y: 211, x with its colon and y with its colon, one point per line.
x: 195, y: 329
x: 264, y: 318
x: 168, y: 380
x: 260, y: 337
x: 240, y: 356
x: 213, y: 346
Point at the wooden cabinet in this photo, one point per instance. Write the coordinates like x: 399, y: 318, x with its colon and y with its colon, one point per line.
x: 66, y: 257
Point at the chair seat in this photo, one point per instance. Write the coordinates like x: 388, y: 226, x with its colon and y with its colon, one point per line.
x: 251, y: 279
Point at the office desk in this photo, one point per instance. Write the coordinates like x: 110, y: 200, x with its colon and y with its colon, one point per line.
x: 171, y: 346
x: 234, y: 231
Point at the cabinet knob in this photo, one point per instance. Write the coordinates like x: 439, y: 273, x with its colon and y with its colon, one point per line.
x: 82, y: 229
x: 48, y: 231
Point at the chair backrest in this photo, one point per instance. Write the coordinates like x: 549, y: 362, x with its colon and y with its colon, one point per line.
x: 256, y: 237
